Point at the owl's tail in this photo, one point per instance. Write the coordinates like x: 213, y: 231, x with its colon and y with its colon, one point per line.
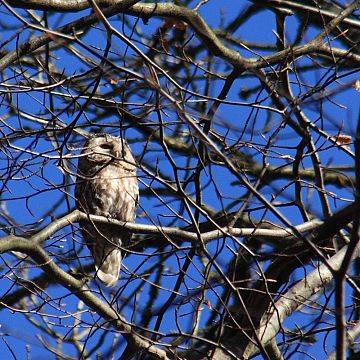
x: 108, y: 265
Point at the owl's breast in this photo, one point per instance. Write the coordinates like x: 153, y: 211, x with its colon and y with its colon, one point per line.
x: 112, y: 192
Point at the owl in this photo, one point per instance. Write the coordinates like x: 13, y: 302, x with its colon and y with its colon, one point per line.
x: 106, y: 185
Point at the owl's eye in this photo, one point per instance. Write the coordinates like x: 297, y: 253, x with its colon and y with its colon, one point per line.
x: 106, y: 146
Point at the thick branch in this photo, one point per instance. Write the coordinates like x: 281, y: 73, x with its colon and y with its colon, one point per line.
x: 66, y: 5
x: 77, y: 288
x: 295, y: 299
x: 174, y: 232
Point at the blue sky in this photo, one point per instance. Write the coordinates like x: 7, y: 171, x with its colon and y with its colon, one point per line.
x: 32, y: 192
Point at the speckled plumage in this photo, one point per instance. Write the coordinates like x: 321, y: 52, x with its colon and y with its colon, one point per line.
x: 106, y: 185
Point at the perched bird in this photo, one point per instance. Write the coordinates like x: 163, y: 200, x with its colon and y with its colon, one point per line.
x: 106, y: 185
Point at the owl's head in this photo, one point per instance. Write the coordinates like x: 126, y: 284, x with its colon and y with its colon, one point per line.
x: 104, y: 149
